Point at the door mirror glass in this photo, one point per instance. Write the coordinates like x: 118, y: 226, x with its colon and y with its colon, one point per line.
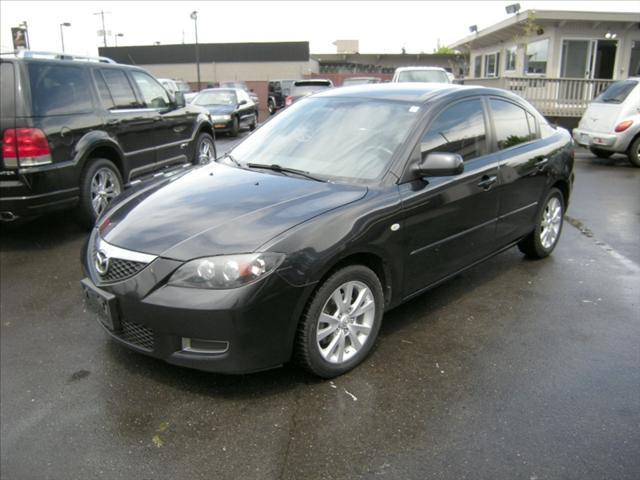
x: 242, y: 102
x: 439, y: 164
x: 180, y: 102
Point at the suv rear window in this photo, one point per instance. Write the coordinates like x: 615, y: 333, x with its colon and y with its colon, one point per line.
x: 7, y: 90
x: 59, y: 89
x: 617, y: 92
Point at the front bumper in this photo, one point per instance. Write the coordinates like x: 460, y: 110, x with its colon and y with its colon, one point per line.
x: 615, y: 142
x: 256, y: 323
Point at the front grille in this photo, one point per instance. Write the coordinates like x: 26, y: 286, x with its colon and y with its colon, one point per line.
x: 136, y: 334
x: 120, y: 269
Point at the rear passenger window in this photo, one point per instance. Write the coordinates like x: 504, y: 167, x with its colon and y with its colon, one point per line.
x: 7, y: 91
x: 103, y: 91
x: 511, y: 125
x: 458, y: 129
x: 120, y: 88
x: 59, y: 89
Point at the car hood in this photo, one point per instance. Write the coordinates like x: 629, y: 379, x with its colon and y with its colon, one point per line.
x: 218, y: 209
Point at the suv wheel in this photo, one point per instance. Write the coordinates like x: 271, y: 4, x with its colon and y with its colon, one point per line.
x: 254, y: 122
x: 271, y: 107
x: 100, y: 183
x: 235, y: 127
x: 205, y: 150
x: 601, y: 153
x: 634, y: 153
x: 341, y: 322
x: 541, y: 242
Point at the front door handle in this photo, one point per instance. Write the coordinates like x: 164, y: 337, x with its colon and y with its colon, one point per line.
x: 487, y: 181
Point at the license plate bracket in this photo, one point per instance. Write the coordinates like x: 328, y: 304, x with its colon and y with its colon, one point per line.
x: 103, y: 304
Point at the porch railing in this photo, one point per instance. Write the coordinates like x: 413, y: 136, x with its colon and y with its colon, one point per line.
x: 553, y: 97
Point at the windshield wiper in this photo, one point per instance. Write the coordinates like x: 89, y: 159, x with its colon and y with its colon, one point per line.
x: 277, y: 168
x: 230, y: 157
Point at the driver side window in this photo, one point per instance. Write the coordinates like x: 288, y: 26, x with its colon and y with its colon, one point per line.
x: 154, y: 95
x: 458, y: 129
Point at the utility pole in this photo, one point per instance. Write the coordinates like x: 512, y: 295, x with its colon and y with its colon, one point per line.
x: 104, y: 30
x: 194, y: 17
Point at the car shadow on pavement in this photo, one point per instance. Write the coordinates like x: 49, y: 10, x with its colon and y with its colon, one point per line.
x: 40, y: 233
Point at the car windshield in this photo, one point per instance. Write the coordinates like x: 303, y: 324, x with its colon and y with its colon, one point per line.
x: 617, y: 92
x: 221, y: 97
x: 429, y: 76
x: 342, y: 139
x: 308, y: 88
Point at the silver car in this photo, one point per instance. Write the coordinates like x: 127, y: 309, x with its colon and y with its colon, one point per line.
x: 611, y: 123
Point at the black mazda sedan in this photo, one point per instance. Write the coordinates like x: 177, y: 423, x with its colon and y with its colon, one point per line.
x: 347, y: 204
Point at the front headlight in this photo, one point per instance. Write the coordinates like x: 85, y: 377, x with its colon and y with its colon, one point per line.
x: 226, y: 271
x: 220, y: 118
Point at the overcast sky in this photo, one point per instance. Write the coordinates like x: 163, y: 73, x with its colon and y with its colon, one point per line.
x: 381, y: 27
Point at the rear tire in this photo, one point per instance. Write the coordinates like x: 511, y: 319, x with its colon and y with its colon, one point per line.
x: 544, y: 238
x: 100, y: 183
x: 334, y: 336
x: 601, y: 153
x: 633, y: 154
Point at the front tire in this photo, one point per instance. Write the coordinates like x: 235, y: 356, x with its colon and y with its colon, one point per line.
x: 341, y: 322
x: 633, y: 154
x: 254, y: 122
x: 100, y: 183
x: 235, y: 127
x: 601, y: 153
x: 271, y: 106
x: 544, y: 238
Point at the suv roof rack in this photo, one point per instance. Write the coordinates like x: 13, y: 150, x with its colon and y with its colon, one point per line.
x: 61, y: 56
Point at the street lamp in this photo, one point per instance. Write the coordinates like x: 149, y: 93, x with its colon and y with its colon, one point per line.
x: 116, y: 37
x: 65, y: 24
x: 194, y: 17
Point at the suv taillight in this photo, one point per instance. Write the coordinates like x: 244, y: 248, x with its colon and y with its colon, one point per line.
x: 288, y: 101
x: 28, y: 146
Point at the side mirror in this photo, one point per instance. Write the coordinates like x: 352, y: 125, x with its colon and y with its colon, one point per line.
x: 439, y: 164
x: 242, y: 102
x: 180, y: 102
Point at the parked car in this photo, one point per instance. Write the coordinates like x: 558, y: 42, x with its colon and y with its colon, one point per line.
x: 611, y: 123
x: 230, y: 109
x: 421, y: 74
x: 303, y: 88
x: 349, y: 82
x: 278, y: 92
x: 242, y: 86
x: 173, y: 86
x: 342, y: 207
x: 77, y: 131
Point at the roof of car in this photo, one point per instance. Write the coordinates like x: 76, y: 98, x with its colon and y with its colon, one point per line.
x: 404, y: 69
x: 409, y: 92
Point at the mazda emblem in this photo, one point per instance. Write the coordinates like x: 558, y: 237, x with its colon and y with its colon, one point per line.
x: 101, y: 262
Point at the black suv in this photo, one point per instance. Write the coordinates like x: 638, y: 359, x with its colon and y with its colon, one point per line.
x: 76, y: 131
x: 278, y: 92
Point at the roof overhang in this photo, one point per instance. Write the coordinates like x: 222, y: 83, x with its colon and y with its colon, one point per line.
x: 512, y: 27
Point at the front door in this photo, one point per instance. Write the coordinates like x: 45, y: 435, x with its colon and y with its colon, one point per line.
x: 449, y: 222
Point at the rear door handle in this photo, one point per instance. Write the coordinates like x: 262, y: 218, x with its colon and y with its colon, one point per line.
x: 541, y: 163
x: 487, y: 181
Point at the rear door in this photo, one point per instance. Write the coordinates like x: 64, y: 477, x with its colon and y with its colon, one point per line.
x: 127, y: 119
x: 523, y: 160
x: 174, y: 129
x: 449, y: 222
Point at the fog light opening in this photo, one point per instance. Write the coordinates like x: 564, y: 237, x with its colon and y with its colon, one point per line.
x: 198, y: 345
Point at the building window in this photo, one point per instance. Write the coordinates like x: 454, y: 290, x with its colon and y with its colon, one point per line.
x: 510, y: 59
x: 477, y: 66
x: 491, y: 63
x: 536, y: 57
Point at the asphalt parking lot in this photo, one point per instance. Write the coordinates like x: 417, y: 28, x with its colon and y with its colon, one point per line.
x: 514, y: 370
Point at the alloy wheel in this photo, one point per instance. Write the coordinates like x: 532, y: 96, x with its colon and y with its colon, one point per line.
x: 205, y: 151
x: 105, y: 186
x: 345, y: 322
x: 551, y: 222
